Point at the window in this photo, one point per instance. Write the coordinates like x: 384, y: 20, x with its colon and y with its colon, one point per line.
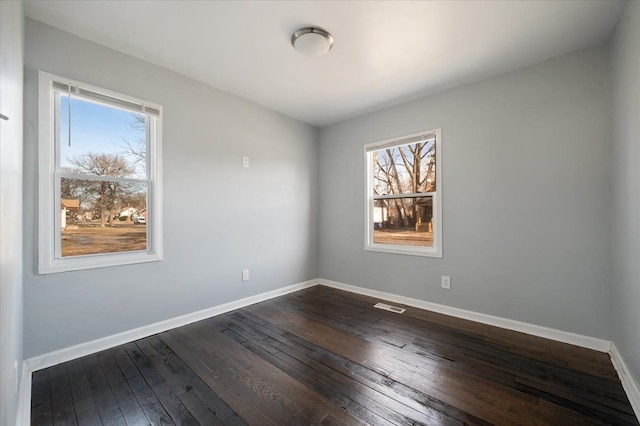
x: 404, y: 195
x: 100, y: 177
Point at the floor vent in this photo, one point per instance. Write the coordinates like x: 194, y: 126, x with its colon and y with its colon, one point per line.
x: 389, y: 308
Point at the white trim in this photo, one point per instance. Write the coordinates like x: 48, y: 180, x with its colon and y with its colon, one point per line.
x: 369, y: 245
x: 523, y: 327
x: 628, y: 382
x: 67, y: 354
x: 49, y: 260
x: 411, y: 139
x: 104, y: 260
x: 404, y: 249
x: 23, y: 416
x: 62, y: 355
x: 46, y: 168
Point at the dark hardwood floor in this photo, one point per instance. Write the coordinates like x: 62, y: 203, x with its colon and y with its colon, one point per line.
x: 323, y: 356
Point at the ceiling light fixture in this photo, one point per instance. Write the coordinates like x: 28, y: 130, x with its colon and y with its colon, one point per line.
x: 312, y: 41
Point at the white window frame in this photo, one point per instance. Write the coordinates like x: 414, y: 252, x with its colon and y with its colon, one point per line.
x: 50, y: 260
x: 436, y: 250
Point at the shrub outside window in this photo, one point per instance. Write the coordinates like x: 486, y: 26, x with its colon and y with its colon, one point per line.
x: 404, y: 195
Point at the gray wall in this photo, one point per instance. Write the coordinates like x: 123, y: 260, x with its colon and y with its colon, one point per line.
x: 527, y: 195
x: 218, y: 217
x: 11, y: 64
x: 626, y: 185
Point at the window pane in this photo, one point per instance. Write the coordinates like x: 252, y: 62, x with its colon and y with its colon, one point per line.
x: 403, y: 221
x: 405, y: 169
x: 102, y: 217
x: 105, y: 141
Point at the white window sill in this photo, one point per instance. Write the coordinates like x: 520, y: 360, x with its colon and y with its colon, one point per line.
x: 76, y: 263
x: 406, y: 250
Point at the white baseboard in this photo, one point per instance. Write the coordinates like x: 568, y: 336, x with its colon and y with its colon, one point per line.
x: 628, y: 382
x: 630, y: 386
x: 23, y: 417
x: 523, y: 327
x: 67, y: 354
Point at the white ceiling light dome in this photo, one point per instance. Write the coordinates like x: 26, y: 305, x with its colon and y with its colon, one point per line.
x: 312, y: 41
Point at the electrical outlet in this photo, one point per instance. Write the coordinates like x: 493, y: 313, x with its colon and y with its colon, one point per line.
x: 446, y: 282
x: 245, y: 275
x: 245, y: 161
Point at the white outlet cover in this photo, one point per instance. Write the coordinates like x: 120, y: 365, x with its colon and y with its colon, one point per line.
x: 446, y: 282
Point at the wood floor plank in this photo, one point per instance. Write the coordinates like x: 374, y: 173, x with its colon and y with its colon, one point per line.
x: 323, y: 356
x: 309, y: 371
x: 193, y: 357
x: 64, y: 412
x: 247, y: 375
x: 89, y: 417
x: 170, y: 402
x: 105, y: 401
x: 161, y: 365
x: 319, y: 385
x: 198, y: 410
x: 203, y: 392
x: 148, y: 401
x: 185, y: 393
x: 433, y: 332
x: 479, y: 353
x: 582, y: 359
x: 41, y: 410
x: 487, y: 400
x: 362, y: 356
x: 478, y: 337
x: 42, y: 414
x: 127, y: 402
x: 433, y: 415
x: 81, y: 391
x: 153, y: 409
x: 235, y: 420
x: 41, y: 387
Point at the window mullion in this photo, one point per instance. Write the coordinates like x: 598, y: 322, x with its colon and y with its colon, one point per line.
x: 105, y: 178
x: 407, y: 195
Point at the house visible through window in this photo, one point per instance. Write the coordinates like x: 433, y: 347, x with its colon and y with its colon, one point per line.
x: 100, y: 177
x: 404, y: 195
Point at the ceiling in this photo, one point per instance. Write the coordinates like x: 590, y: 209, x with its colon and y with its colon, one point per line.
x: 385, y: 52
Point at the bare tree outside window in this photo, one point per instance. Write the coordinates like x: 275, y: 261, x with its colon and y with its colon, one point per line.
x: 99, y: 177
x: 135, y: 148
x: 403, y: 189
x: 103, y: 189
